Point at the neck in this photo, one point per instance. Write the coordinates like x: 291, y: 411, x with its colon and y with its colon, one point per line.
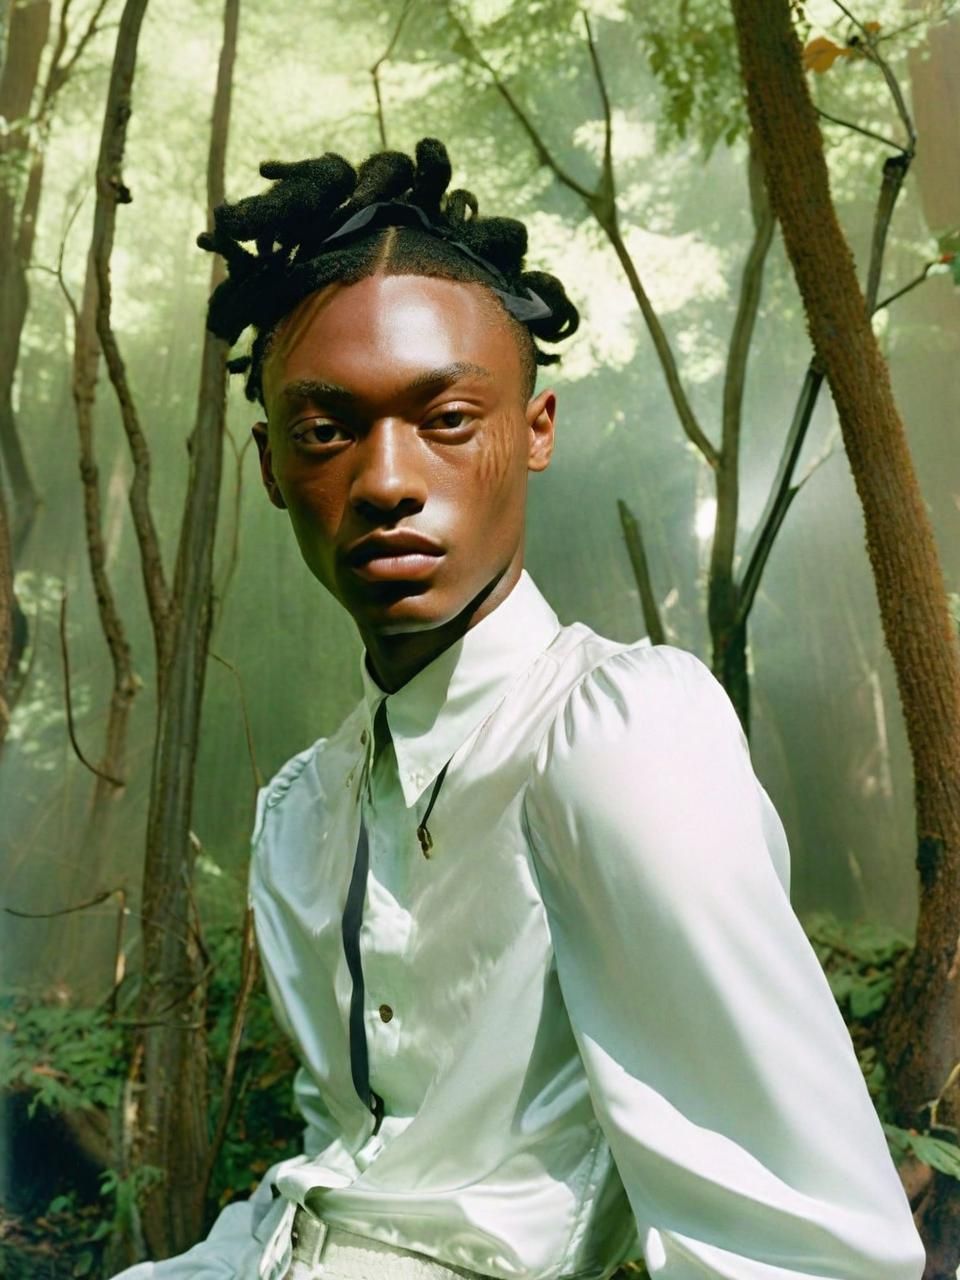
x: 395, y: 659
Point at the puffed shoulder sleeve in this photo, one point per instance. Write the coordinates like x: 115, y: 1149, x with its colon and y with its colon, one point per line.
x: 719, y: 1065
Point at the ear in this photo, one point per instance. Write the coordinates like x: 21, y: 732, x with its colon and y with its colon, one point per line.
x: 541, y: 415
x: 259, y: 433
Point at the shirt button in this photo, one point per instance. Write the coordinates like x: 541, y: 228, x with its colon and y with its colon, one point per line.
x: 386, y: 1013
x: 363, y: 738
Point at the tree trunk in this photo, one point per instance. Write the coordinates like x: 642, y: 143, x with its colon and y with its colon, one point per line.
x: 26, y: 36
x: 97, y: 299
x: 727, y: 609
x: 921, y: 1023
x: 173, y: 1125
x: 27, y: 33
x: 6, y: 617
x: 935, y: 94
x: 85, y: 981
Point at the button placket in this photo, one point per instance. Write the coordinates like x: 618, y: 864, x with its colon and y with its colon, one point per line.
x: 386, y: 936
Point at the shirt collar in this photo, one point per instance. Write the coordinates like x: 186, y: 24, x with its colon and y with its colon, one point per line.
x: 434, y: 713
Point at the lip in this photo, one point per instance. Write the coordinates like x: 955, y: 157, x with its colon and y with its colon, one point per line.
x: 403, y: 556
x: 403, y: 545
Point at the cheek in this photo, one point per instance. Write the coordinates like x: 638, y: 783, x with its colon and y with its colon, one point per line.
x: 314, y: 498
x: 498, y: 455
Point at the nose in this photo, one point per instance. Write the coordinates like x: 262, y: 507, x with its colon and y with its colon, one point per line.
x: 389, y: 475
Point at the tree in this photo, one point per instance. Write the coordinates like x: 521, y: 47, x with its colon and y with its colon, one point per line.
x: 169, y: 1063
x: 22, y: 152
x: 6, y: 615
x: 22, y: 155
x: 734, y: 574
x: 173, y: 1124
x: 921, y: 1022
x: 26, y: 38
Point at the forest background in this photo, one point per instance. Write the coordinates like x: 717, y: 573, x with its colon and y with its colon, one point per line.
x: 625, y: 529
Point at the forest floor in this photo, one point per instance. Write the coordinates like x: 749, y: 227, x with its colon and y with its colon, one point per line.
x: 48, y: 1247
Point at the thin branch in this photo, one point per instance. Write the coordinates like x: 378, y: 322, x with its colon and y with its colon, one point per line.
x: 228, y: 1098
x: 544, y: 155
x: 870, y: 51
x: 8, y: 603
x: 384, y: 57
x: 58, y: 48
x: 63, y: 911
x: 233, y: 554
x: 934, y: 1103
x: 257, y: 775
x: 193, y: 923
x: 57, y: 271
x: 824, y: 456
x: 893, y: 84
x: 849, y: 16
x: 83, y: 388
x: 661, y: 343
x: 602, y: 206
x: 641, y: 572
x: 607, y: 185
x: 71, y: 727
x: 154, y: 578
x: 119, y: 959
x: 902, y: 30
x: 859, y: 128
x: 111, y: 191
x: 735, y: 374
x: 726, y: 612
x: 894, y: 172
x: 60, y: 72
x: 604, y: 209
x: 92, y: 29
x: 782, y: 491
x: 910, y: 285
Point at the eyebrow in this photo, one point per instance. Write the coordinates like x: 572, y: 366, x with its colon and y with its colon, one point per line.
x: 303, y: 390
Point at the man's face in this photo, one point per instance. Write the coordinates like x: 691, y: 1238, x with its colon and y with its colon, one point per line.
x: 399, y: 440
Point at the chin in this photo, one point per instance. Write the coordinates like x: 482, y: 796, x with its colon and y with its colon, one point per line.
x: 403, y: 608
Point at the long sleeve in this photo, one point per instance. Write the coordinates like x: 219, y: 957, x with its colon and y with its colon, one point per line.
x: 231, y: 1250
x: 719, y: 1065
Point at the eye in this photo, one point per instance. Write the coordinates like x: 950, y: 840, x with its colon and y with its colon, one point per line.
x: 318, y: 433
x: 450, y: 419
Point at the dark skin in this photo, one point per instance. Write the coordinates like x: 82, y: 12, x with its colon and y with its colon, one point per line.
x: 398, y: 404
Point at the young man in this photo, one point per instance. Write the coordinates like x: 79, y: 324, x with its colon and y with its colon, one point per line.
x: 525, y: 916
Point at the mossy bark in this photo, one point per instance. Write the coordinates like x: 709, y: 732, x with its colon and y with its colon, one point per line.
x: 921, y: 1026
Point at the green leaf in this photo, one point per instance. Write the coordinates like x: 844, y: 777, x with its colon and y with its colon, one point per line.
x: 869, y: 996
x: 83, y: 1264
x: 938, y: 1153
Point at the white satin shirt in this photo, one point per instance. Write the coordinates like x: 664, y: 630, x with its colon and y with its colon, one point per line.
x: 597, y: 1026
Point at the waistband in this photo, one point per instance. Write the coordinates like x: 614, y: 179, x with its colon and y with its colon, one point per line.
x: 321, y: 1249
